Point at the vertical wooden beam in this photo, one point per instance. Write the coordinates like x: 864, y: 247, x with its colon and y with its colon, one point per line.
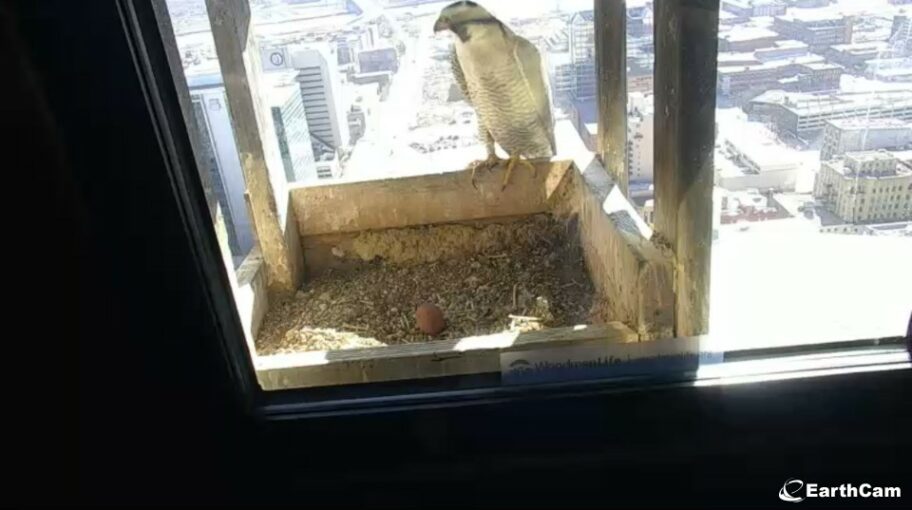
x: 160, y: 9
x: 611, y: 88
x: 686, y: 43
x: 239, y: 61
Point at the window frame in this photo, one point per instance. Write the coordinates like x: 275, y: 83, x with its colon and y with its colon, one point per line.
x: 153, y: 69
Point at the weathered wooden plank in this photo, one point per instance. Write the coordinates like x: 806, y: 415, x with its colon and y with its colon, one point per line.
x: 252, y: 297
x: 422, y: 200
x: 611, y: 70
x: 471, y: 355
x: 685, y: 76
x: 239, y: 62
x: 633, y: 275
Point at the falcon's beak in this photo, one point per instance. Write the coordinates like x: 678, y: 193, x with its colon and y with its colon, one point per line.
x: 441, y: 24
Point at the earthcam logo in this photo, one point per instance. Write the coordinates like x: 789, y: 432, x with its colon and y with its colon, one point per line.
x: 796, y: 491
x: 790, y: 490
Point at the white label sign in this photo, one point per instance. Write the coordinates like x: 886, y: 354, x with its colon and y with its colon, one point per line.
x: 603, y: 360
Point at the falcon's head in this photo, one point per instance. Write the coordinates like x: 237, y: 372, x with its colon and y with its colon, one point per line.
x: 459, y: 17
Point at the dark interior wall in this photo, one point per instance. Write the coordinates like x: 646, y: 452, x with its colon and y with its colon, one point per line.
x: 155, y: 410
x: 159, y: 420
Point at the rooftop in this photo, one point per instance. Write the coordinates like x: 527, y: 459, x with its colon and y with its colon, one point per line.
x: 726, y: 57
x: 892, y: 73
x: 844, y: 167
x: 749, y: 3
x: 848, y: 124
x: 789, y: 43
x: 820, y: 66
x: 866, y: 156
x: 860, y: 48
x: 803, y: 103
x: 747, y: 34
x: 810, y: 15
x: 806, y: 60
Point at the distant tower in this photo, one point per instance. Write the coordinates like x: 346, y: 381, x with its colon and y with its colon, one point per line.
x: 283, y: 98
x: 210, y: 107
x: 319, y: 81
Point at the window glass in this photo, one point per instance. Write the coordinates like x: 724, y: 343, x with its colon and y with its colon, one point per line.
x: 390, y: 244
x: 814, y: 113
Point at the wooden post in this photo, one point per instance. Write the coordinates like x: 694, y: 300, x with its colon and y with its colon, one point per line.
x: 686, y: 43
x: 239, y: 61
x: 183, y: 95
x: 160, y: 9
x: 611, y: 79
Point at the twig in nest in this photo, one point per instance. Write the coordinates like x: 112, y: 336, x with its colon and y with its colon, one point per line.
x: 356, y: 328
x: 514, y: 295
x: 524, y: 318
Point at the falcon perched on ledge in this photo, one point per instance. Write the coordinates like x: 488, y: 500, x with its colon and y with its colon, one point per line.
x: 501, y: 76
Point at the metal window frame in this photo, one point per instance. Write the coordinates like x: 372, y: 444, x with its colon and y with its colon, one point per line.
x: 146, y: 35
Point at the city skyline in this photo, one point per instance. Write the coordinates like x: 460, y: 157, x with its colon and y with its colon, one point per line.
x: 790, y: 66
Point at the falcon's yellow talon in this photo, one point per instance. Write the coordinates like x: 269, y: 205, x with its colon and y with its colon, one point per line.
x: 512, y: 163
x: 490, y: 162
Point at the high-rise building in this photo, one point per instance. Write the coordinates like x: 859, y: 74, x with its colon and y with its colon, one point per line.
x: 560, y: 73
x: 320, y: 83
x: 864, y: 187
x: 210, y: 108
x: 640, y: 137
x: 582, y: 54
x: 640, y: 132
x: 282, y: 96
x: 640, y: 52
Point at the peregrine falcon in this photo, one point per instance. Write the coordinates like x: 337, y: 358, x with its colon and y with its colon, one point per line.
x: 501, y: 76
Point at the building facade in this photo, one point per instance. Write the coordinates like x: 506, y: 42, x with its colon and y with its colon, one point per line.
x: 901, y: 36
x: 818, y: 31
x: 640, y: 137
x: 787, y: 48
x: 582, y: 54
x: 640, y: 52
x: 283, y: 98
x: 804, y: 74
x: 855, y: 56
x: 854, y: 135
x: 320, y: 82
x: 216, y: 136
x: 865, y: 187
x: 804, y: 115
